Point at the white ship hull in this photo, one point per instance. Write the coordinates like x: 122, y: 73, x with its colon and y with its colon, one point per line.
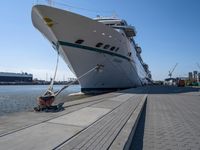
x: 64, y: 28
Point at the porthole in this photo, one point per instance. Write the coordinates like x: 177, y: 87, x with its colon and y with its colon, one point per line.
x: 99, y: 44
x: 117, y: 49
x: 112, y: 48
x: 106, y: 46
x: 79, y: 41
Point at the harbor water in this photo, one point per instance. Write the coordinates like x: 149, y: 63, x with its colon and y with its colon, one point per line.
x: 16, y: 98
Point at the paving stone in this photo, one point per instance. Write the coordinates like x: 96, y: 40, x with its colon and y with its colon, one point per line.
x: 101, y: 134
x: 42, y: 136
x: 82, y: 117
x: 109, y: 104
x: 16, y: 121
x: 171, y: 121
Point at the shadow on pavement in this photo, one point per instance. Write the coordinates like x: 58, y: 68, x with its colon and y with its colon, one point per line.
x: 161, y: 90
x: 137, y: 141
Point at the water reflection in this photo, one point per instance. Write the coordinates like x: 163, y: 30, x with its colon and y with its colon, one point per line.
x: 23, y: 97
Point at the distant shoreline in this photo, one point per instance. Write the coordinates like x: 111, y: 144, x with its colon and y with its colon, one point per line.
x: 35, y: 83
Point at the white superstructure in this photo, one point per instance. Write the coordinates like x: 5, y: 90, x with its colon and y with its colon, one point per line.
x: 83, y: 43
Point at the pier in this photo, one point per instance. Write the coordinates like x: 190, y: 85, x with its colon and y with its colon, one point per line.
x: 151, y: 117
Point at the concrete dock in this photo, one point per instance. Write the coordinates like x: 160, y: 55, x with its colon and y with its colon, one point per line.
x: 154, y: 117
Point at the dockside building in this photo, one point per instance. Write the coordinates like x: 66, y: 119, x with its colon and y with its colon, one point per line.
x: 15, y: 77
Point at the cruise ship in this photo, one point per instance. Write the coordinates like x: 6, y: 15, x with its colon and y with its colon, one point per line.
x: 84, y: 43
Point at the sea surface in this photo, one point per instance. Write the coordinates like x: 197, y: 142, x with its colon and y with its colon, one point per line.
x: 16, y: 98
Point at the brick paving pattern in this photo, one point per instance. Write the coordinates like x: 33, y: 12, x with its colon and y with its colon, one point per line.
x: 170, y: 122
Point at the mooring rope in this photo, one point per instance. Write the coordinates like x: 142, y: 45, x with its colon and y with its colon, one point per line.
x: 50, y: 88
x: 97, y: 67
x: 50, y: 93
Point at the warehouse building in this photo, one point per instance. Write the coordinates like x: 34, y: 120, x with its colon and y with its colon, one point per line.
x: 15, y: 77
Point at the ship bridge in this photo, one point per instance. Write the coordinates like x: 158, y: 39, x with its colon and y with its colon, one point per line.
x: 111, y: 21
x: 118, y: 24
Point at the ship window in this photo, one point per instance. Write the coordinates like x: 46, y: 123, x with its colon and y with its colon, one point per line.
x: 99, y: 44
x: 106, y: 46
x: 112, y: 48
x: 79, y: 41
x: 110, y: 24
x: 122, y: 24
x: 117, y: 49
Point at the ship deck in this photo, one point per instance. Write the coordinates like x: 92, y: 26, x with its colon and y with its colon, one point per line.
x: 153, y: 117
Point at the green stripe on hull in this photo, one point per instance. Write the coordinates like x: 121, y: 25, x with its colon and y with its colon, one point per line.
x: 91, y: 49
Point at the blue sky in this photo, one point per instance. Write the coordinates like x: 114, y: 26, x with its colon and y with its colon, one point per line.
x: 167, y: 30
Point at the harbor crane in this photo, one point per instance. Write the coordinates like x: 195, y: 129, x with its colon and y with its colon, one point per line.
x: 170, y: 72
x: 198, y: 66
